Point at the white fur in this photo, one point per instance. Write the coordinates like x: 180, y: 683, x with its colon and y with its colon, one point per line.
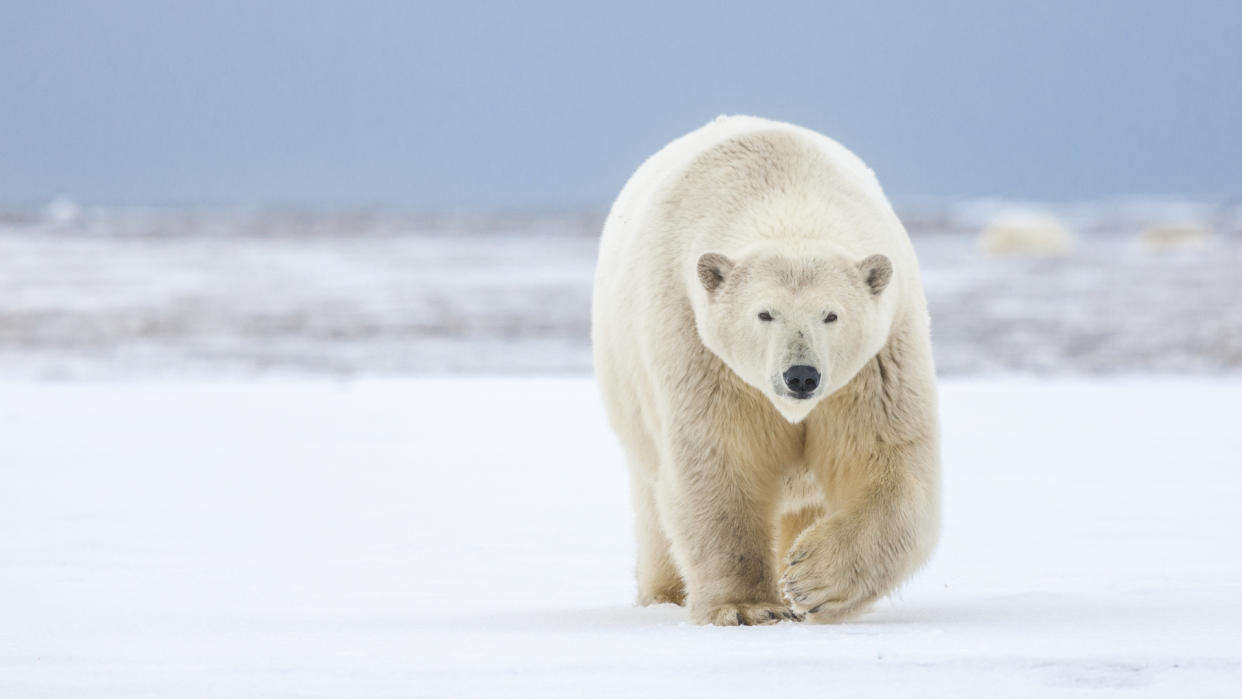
x: 735, y: 481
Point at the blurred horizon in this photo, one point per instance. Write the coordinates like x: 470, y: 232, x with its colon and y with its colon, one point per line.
x: 479, y: 106
x: 96, y: 292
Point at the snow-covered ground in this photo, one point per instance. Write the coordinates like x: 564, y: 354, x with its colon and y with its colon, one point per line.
x: 470, y: 536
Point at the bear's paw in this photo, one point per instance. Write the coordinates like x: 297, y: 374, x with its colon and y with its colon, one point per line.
x: 744, y: 614
x: 825, y: 579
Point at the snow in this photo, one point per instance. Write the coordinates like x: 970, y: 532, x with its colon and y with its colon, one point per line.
x: 209, y: 292
x: 315, y: 537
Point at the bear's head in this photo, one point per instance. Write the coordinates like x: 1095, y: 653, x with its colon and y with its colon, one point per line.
x: 795, y: 328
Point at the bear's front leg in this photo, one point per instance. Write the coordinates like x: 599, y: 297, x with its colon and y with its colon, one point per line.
x: 716, y: 511
x: 885, y: 528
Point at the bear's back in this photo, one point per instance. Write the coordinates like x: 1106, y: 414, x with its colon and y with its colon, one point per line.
x: 735, y: 182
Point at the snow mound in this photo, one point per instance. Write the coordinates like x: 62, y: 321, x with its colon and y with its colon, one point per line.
x: 1175, y: 236
x: 1026, y: 233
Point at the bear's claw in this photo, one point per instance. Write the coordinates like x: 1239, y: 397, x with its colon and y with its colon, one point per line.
x: 761, y: 614
x: 822, y: 588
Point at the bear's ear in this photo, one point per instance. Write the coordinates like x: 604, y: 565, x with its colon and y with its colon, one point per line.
x: 877, y: 271
x: 713, y: 268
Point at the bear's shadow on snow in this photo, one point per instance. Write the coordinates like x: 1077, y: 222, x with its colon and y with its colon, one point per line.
x: 1011, y: 611
x: 1026, y: 610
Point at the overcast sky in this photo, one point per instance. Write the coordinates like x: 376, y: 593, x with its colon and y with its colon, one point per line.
x: 533, y: 104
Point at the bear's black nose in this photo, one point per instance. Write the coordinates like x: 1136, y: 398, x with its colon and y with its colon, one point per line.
x: 802, y: 379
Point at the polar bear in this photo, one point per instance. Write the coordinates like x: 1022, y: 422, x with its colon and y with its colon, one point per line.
x: 762, y: 344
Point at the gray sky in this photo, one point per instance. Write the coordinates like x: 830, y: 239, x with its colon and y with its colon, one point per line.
x: 530, y: 104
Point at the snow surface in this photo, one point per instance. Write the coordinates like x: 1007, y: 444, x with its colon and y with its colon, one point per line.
x: 471, y: 537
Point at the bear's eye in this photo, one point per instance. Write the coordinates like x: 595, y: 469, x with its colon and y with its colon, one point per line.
x: 765, y: 316
x: 830, y: 317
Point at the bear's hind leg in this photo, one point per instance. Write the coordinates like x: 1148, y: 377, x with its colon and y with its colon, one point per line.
x: 659, y: 581
x: 658, y: 578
